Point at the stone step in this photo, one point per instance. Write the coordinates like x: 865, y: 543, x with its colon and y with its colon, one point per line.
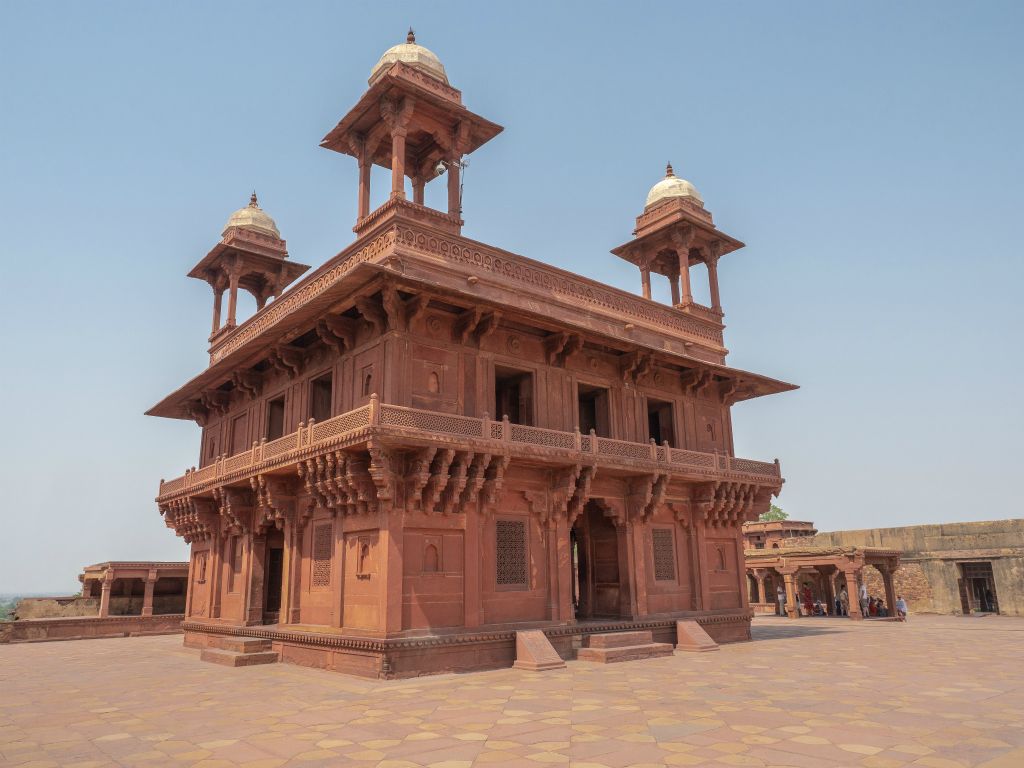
x: 624, y: 653
x: 233, y: 659
x: 620, y: 639
x: 238, y: 644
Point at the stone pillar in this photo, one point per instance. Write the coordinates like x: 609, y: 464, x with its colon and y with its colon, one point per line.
x: 890, y: 592
x: 791, y: 595
x: 645, y: 281
x: 417, y: 190
x: 454, y: 174
x: 716, y: 302
x: 364, y: 187
x: 390, y: 594
x: 759, y: 577
x: 702, y: 566
x: 255, y: 567
x: 233, y: 278
x: 638, y: 574
x: 684, y: 278
x: 108, y: 580
x: 218, y: 295
x: 398, y: 162
x: 147, y: 600
x: 674, y: 284
x: 476, y: 523
x: 216, y: 576
x: 563, y: 548
x: 551, y: 555
x: 853, y: 593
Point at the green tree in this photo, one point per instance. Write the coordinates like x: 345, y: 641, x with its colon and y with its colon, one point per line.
x: 775, y: 513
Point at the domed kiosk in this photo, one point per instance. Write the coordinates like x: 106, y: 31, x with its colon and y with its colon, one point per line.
x: 673, y: 233
x: 412, y: 122
x: 250, y: 255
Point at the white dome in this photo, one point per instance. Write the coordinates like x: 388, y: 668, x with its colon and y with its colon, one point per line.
x: 253, y: 217
x: 673, y: 186
x: 412, y: 54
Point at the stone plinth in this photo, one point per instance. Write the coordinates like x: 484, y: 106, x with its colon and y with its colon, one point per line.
x: 690, y: 636
x: 623, y: 646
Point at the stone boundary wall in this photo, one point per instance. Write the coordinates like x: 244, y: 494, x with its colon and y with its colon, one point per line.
x: 87, y: 627
x: 928, y: 575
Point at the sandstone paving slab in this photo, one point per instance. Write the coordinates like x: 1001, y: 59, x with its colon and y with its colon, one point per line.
x: 806, y: 692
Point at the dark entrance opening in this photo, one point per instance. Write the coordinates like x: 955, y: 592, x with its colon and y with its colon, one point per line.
x: 597, y: 585
x: 513, y: 395
x: 274, y: 577
x: 592, y: 404
x: 659, y: 422
x: 979, y: 588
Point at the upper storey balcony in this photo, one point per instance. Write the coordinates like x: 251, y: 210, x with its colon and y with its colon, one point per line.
x: 412, y: 428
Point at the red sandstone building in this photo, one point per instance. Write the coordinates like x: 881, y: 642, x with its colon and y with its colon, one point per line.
x: 428, y: 443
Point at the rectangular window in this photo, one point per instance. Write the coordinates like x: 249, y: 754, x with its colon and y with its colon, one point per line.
x: 321, y: 390
x: 275, y: 418
x: 322, y: 540
x: 239, y: 429
x: 664, y: 555
x: 510, y: 545
x: 593, y: 411
x: 660, y: 422
x: 513, y: 395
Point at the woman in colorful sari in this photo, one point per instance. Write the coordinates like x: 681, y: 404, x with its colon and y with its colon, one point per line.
x: 808, y: 600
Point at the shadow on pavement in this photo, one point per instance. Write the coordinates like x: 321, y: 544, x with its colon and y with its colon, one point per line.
x: 796, y: 628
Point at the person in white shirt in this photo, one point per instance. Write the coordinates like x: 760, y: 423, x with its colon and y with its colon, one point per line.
x: 901, y: 608
x: 863, y: 599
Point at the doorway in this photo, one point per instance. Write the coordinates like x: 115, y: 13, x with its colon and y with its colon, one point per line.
x: 597, y: 582
x: 978, y: 591
x: 275, y: 577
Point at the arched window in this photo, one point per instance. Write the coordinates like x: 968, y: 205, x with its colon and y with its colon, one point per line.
x: 430, y: 559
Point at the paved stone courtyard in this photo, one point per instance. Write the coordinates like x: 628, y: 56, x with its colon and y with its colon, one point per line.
x: 938, y: 691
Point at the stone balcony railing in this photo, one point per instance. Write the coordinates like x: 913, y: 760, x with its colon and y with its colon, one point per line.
x: 503, y: 436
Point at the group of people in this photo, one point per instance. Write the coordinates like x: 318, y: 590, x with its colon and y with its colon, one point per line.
x: 869, y: 606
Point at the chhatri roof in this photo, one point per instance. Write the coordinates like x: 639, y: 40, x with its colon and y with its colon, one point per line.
x: 412, y: 54
x: 672, y: 186
x: 253, y: 217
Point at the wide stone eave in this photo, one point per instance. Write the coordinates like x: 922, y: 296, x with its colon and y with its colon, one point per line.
x: 301, y: 318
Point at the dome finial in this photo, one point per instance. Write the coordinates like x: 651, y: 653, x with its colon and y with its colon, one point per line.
x: 411, y: 37
x: 253, y: 202
x: 668, y: 170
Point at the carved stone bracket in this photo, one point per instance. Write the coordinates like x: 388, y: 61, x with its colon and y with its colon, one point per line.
x: 373, y: 313
x: 192, y: 518
x: 558, y: 347
x: 287, y: 360
x: 337, y: 332
x: 216, y: 401
x: 438, y: 479
x: 249, y: 383
x: 493, y: 480
x: 635, y: 365
x: 696, y: 381
x: 275, y: 500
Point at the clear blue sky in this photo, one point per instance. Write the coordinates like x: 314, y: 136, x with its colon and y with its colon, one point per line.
x: 869, y: 154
